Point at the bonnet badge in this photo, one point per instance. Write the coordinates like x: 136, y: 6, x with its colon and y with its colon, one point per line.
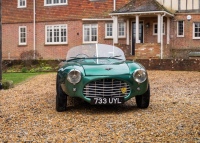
x: 108, y: 68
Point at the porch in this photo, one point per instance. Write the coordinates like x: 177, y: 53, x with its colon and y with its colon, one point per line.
x: 147, y: 29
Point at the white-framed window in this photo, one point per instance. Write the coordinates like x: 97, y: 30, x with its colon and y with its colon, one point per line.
x: 22, y: 35
x: 155, y: 29
x: 21, y: 4
x: 180, y: 29
x: 55, y: 2
x: 121, y: 30
x: 109, y: 30
x: 56, y: 34
x: 90, y: 33
x: 196, y: 30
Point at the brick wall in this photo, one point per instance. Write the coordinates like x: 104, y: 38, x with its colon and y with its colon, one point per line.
x: 12, y: 50
x: 181, y: 46
x: 76, y: 9
x: 147, y: 50
x: 10, y: 40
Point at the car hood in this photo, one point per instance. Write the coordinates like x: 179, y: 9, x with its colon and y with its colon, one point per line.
x: 107, y: 69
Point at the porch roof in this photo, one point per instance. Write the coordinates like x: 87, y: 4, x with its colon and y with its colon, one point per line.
x: 142, y: 7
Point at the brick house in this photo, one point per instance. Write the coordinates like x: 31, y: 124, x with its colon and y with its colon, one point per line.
x: 142, y: 28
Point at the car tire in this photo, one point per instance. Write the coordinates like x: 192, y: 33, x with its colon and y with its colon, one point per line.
x: 143, y: 100
x: 61, y: 98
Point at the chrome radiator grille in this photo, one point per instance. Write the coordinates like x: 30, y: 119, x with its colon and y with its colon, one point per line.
x: 106, y: 88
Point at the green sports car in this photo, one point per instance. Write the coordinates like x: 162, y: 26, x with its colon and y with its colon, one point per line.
x: 99, y: 74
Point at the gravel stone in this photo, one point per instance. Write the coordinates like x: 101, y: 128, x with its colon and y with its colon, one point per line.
x: 27, y: 113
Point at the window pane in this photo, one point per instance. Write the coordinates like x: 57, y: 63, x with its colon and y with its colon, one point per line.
x: 121, y: 29
x: 155, y: 28
x: 180, y: 27
x: 86, y: 33
x: 109, y: 29
x: 48, y: 2
x: 22, y: 35
x: 62, y: 1
x: 63, y: 34
x: 197, y: 29
x: 49, y: 34
x: 55, y: 1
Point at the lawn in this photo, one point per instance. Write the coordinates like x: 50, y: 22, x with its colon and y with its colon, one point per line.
x: 18, y: 77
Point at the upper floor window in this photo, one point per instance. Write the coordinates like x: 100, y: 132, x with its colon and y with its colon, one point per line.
x: 121, y: 29
x: 22, y: 35
x: 90, y: 33
x: 155, y: 29
x: 196, y: 30
x: 21, y: 3
x: 180, y: 29
x: 55, y: 2
x: 56, y: 34
x: 109, y: 30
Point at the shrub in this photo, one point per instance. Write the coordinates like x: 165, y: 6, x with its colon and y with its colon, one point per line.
x: 24, y: 70
x: 7, y: 84
x: 28, y: 57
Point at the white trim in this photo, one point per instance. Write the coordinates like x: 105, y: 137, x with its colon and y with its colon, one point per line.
x: 90, y: 27
x: 24, y: 43
x: 137, y: 23
x: 139, y: 13
x: 115, y: 32
x: 18, y: 4
x: 57, y: 4
x: 34, y: 30
x: 178, y: 29
x: 96, y: 19
x: 168, y: 30
x: 56, y: 43
x: 194, y: 31
x: 127, y: 32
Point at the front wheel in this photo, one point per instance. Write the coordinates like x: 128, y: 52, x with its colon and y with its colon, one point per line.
x: 144, y: 99
x: 61, y: 98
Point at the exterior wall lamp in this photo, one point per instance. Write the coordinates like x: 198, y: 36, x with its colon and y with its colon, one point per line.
x: 147, y: 25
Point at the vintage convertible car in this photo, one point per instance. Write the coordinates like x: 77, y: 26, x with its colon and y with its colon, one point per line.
x: 99, y: 74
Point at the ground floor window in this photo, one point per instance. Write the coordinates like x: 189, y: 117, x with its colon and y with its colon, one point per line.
x: 180, y: 29
x: 196, y: 30
x: 90, y: 33
x: 109, y: 30
x: 121, y: 29
x: 55, y: 2
x: 56, y: 34
x: 22, y: 35
x: 155, y: 29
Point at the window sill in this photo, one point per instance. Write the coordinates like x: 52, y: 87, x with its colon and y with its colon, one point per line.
x: 196, y: 38
x: 22, y: 45
x: 56, y: 44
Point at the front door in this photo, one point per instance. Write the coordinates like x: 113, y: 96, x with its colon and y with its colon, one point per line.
x: 141, y: 34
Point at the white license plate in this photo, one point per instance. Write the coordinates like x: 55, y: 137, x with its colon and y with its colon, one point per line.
x: 107, y: 100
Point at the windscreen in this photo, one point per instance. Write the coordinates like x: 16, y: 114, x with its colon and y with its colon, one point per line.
x: 95, y: 51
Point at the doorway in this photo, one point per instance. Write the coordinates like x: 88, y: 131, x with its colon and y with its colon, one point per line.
x: 141, y: 35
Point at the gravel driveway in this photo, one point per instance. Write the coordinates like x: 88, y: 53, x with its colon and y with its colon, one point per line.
x: 27, y: 113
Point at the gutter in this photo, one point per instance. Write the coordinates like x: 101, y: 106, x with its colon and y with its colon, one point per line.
x: 34, y: 29
x: 147, y: 12
x: 114, y: 5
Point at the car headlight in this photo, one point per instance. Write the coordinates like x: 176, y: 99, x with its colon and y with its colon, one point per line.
x: 140, y: 75
x: 74, y: 76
